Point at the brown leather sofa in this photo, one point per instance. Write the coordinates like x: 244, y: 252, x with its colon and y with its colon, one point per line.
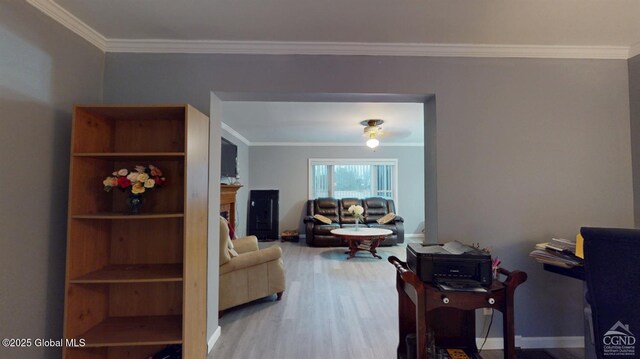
x: 319, y: 234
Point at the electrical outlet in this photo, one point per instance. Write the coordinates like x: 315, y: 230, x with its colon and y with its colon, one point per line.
x: 487, y: 311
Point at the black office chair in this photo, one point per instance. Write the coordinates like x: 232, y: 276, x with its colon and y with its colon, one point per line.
x: 612, y: 274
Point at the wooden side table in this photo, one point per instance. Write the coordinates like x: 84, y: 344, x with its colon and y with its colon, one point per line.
x: 451, y: 315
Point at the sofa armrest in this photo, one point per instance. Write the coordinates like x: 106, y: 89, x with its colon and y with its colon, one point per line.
x: 250, y: 259
x: 398, y: 219
x: 246, y: 244
x: 308, y: 219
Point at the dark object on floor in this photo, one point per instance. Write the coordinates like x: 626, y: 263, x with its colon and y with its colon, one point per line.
x: 170, y: 352
x: 290, y: 235
x: 533, y: 354
x: 263, y: 214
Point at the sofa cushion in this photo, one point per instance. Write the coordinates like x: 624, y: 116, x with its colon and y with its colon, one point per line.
x: 345, y: 203
x: 327, y: 207
x: 322, y: 219
x: 325, y: 228
x: 375, y: 208
x: 386, y: 218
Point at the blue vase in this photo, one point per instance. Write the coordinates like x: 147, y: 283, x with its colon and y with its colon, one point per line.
x: 134, y: 202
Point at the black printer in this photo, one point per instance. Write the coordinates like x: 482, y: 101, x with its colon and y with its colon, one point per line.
x: 451, y: 261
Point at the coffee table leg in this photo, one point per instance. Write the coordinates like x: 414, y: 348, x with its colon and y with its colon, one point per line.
x: 353, y: 248
x: 374, y: 245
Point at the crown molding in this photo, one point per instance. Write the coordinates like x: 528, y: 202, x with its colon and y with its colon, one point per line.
x: 366, y: 49
x: 235, y: 134
x: 68, y: 20
x: 58, y: 13
x: 634, y: 50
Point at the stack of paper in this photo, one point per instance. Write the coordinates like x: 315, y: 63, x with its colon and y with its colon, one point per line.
x: 559, y: 252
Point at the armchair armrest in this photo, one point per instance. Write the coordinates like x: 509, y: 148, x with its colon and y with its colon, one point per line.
x: 308, y: 219
x: 246, y: 244
x: 398, y: 219
x: 250, y: 259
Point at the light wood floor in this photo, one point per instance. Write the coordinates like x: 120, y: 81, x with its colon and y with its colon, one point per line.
x: 332, y: 308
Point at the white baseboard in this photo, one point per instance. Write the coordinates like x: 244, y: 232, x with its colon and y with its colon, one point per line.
x: 534, y: 342
x: 213, y: 339
x: 551, y: 342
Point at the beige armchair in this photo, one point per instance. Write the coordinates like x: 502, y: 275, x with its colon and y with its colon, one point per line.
x: 247, y: 273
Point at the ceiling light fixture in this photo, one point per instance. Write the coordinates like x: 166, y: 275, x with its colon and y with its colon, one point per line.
x: 372, y: 130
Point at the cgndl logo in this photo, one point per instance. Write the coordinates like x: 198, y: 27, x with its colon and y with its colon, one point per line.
x: 619, y: 340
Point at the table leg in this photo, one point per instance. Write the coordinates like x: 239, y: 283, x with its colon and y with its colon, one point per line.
x: 353, y: 248
x: 374, y: 244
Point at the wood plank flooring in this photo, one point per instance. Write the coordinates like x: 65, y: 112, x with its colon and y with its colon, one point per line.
x: 332, y: 308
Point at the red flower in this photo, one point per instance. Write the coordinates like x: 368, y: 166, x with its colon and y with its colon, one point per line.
x: 159, y: 180
x: 123, y: 182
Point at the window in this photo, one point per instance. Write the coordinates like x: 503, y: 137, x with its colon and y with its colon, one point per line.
x: 341, y: 178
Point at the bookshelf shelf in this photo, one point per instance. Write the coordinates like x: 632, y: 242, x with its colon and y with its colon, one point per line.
x: 128, y: 216
x: 131, y: 155
x: 133, y: 273
x: 128, y: 331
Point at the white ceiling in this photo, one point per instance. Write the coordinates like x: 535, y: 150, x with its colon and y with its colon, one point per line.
x: 333, y: 123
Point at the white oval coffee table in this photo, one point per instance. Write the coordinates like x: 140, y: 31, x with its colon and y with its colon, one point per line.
x: 362, y: 239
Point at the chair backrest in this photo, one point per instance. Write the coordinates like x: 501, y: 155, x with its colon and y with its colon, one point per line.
x: 224, y: 241
x: 326, y: 206
x: 345, y: 203
x: 612, y: 273
x: 376, y: 208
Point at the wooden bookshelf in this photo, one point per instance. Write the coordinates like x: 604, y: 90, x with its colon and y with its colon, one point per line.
x: 137, y: 282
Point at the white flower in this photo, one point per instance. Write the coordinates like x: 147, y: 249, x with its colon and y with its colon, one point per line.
x: 356, y: 210
x: 133, y: 176
x: 123, y: 172
x: 142, y: 177
x: 140, y: 169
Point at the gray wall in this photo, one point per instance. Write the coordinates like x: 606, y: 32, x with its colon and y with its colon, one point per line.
x: 526, y: 148
x: 634, y: 106
x: 286, y: 168
x: 44, y: 70
x: 242, y: 198
x: 213, y: 250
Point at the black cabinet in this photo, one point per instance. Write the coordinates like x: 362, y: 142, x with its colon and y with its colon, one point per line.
x: 263, y: 214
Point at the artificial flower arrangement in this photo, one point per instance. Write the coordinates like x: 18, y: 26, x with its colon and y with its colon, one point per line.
x: 136, y: 182
x: 357, y: 211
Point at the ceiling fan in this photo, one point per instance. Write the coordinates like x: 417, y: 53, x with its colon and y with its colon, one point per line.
x: 372, y: 131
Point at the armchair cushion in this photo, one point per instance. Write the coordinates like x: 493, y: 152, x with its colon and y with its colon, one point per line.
x: 246, y: 244
x: 225, y: 256
x: 250, y: 259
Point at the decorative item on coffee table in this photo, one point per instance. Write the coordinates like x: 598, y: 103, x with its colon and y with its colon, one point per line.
x: 357, y: 211
x: 136, y: 183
